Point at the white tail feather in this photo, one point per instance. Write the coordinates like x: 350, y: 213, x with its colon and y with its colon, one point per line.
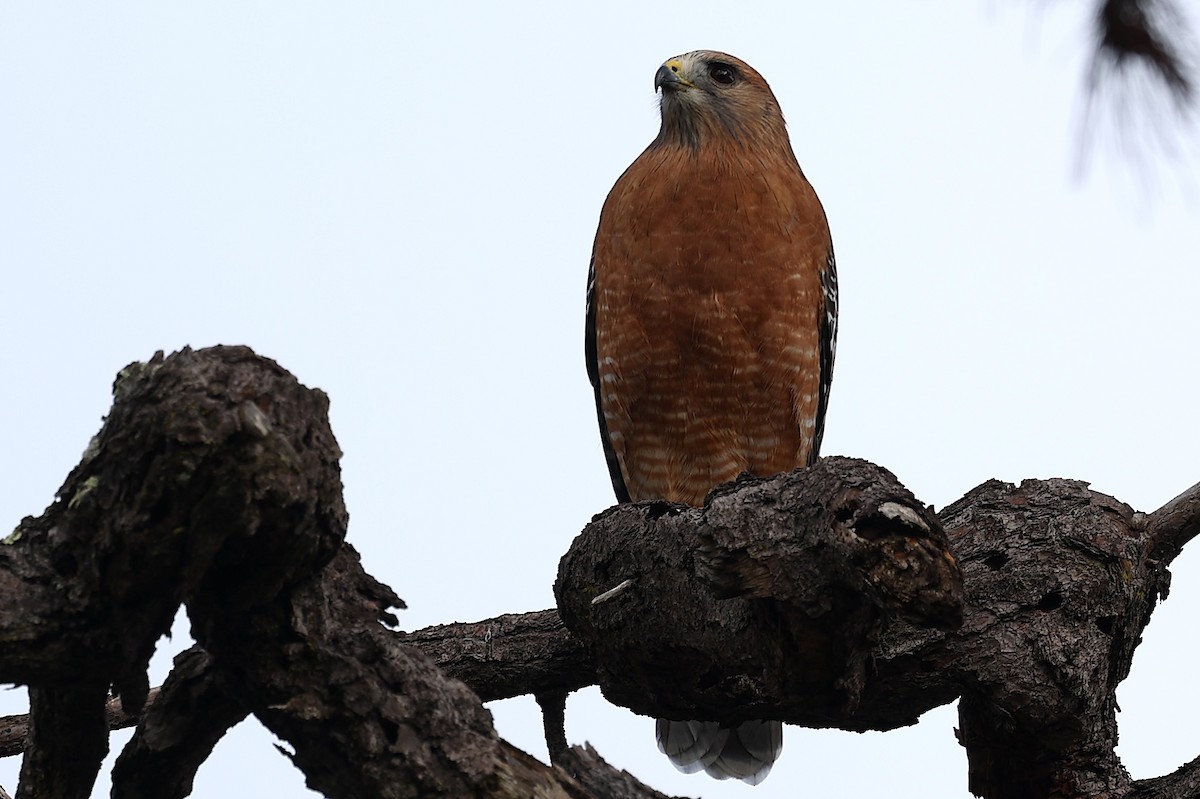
x: 745, y: 752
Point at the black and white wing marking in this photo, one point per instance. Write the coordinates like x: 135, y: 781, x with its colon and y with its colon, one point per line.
x: 828, y: 345
x: 593, y: 370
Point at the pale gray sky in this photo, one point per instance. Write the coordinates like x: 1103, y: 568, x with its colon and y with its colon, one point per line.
x: 397, y: 202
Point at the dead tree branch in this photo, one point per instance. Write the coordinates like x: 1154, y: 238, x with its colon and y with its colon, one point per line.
x: 510, y: 655
x: 177, y: 731
x: 825, y: 597
x: 1173, y: 525
x: 813, y: 564
x: 214, y: 483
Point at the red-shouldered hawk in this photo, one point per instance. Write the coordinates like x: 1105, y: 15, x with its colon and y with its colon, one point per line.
x: 711, y: 323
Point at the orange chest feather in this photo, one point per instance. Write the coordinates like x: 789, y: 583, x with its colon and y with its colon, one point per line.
x: 708, y: 304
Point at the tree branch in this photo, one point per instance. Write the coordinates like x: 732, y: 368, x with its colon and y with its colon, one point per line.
x: 179, y: 727
x: 510, y: 655
x: 68, y: 739
x: 826, y: 597
x: 1170, y: 527
x: 215, y: 482
x: 14, y: 730
x: 816, y: 563
x: 1184, y: 782
x: 1059, y: 586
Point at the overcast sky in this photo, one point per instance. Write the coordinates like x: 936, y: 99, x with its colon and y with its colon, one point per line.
x: 397, y: 202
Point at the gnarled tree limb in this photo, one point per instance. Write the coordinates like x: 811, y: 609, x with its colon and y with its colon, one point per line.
x: 215, y: 483
x: 178, y: 729
x: 828, y: 597
x: 813, y: 564
x: 510, y: 655
x: 1170, y: 527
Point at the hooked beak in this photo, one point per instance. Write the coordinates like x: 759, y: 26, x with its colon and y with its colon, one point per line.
x: 670, y: 77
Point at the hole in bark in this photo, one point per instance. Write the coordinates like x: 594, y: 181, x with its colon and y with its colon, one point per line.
x: 875, y: 527
x: 1051, y: 601
x: 843, y: 514
x: 1105, y: 623
x: 392, y: 730
x: 66, y: 565
x: 659, y: 509
x: 997, y: 561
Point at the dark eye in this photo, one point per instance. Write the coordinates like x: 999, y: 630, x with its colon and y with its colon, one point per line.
x: 722, y: 73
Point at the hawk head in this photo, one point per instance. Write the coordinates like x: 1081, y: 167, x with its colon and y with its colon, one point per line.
x: 710, y: 96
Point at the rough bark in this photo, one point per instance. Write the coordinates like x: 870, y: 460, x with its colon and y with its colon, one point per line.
x: 68, y: 738
x: 199, y: 455
x: 813, y: 566
x: 825, y: 597
x: 510, y: 655
x: 214, y: 483
x: 178, y: 730
x: 1062, y: 593
x: 1060, y: 582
